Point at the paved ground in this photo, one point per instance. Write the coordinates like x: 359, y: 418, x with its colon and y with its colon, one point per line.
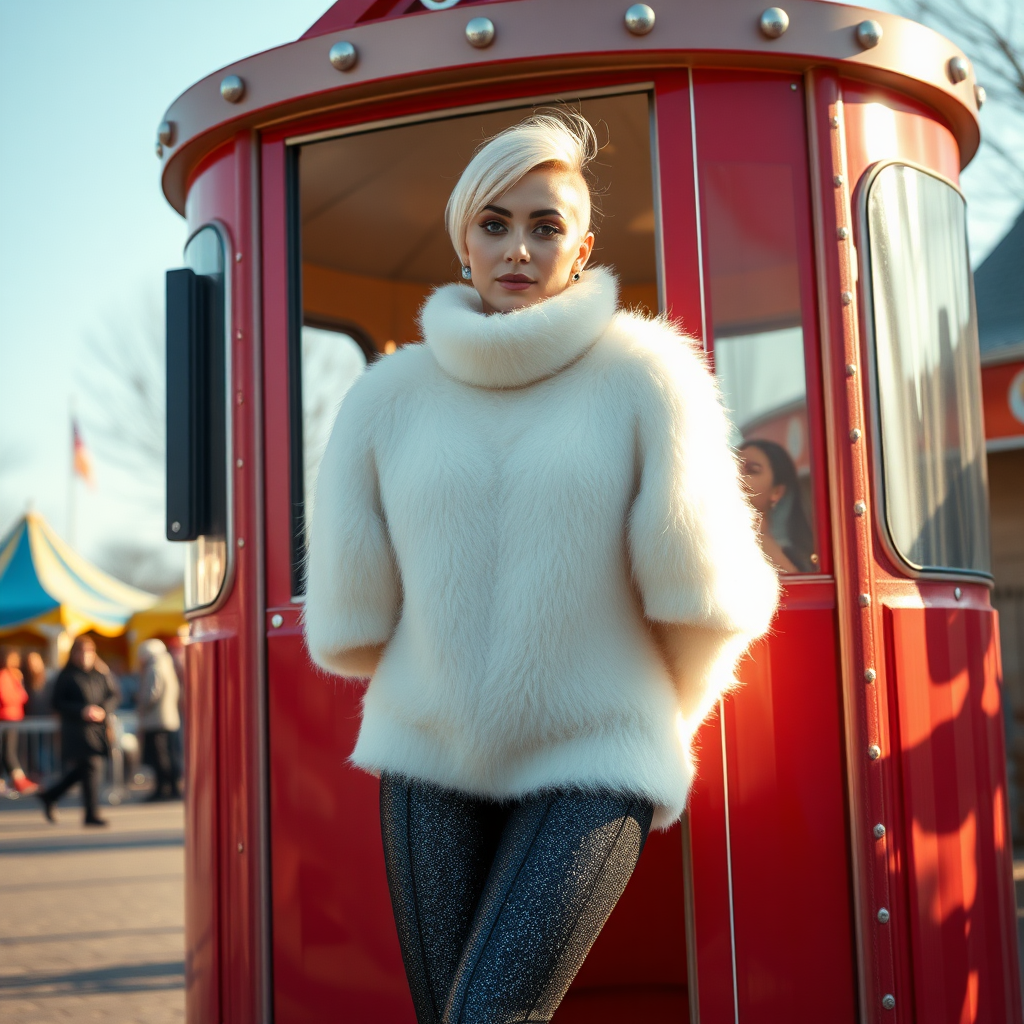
x: 91, y: 921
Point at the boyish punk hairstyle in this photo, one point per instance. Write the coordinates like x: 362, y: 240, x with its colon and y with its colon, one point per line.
x: 562, y: 139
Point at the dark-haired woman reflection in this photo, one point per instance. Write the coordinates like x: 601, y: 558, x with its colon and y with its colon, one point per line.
x: 771, y: 477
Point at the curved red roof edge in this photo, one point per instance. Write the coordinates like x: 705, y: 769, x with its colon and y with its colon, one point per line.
x: 345, y: 13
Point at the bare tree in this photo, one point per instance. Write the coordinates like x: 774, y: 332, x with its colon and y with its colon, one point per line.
x: 140, y: 565
x: 123, y: 398
x: 992, y: 35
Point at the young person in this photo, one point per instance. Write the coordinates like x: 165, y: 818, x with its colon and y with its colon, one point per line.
x: 531, y: 534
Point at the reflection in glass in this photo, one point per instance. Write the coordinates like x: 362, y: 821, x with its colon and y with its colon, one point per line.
x: 331, y: 362
x: 756, y: 316
x: 206, y: 557
x: 929, y: 375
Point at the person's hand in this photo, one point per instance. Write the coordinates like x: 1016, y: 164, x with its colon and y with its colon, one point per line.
x: 93, y: 713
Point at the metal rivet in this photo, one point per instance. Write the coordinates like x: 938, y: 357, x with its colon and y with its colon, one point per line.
x: 232, y: 88
x: 241, y: 542
x: 888, y: 1002
x: 277, y: 621
x: 639, y: 19
x: 847, y: 298
x: 879, y: 831
x: 980, y: 96
x: 843, y: 234
x: 834, y: 121
x: 175, y: 527
x: 480, y: 32
x: 855, y: 434
x: 851, y: 369
x: 883, y: 915
x: 957, y: 593
x: 159, y: 150
x: 241, y: 847
x: 792, y: 86
x: 874, y: 751
x: 958, y: 69
x: 239, y: 463
x: 837, y: 180
x: 864, y: 600
x: 238, y: 257
x: 859, y: 508
x: 165, y: 133
x: 343, y: 55
x: 869, y: 33
x: 870, y: 675
x: 774, y: 22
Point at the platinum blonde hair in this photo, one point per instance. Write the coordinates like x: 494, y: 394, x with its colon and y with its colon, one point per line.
x: 563, y: 139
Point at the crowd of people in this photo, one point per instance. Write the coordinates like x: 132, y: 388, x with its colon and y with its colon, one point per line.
x: 85, y: 697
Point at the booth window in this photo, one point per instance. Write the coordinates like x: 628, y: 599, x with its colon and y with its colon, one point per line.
x: 757, y: 324
x: 928, y: 373
x: 332, y: 359
x: 206, y: 560
x: 368, y: 245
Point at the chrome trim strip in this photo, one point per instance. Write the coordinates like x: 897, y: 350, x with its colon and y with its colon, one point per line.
x: 728, y: 867
x: 876, y: 448
x: 689, y: 917
x: 700, y: 237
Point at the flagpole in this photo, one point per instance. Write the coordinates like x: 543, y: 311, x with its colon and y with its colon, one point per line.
x: 71, y: 475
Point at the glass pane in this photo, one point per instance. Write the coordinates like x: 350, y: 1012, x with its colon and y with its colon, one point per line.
x: 387, y: 189
x: 759, y: 347
x: 206, y: 559
x: 331, y: 362
x: 929, y: 374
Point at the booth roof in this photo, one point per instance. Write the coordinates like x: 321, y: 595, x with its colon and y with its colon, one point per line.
x: 44, y: 582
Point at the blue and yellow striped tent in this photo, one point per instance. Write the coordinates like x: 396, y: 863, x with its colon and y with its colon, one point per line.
x: 43, y: 582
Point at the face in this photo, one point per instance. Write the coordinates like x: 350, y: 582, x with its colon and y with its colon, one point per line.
x: 83, y: 654
x: 757, y: 475
x: 529, y: 242
x: 13, y: 660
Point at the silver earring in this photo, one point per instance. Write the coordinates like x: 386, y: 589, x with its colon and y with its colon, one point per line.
x: 467, y: 274
x: 576, y: 276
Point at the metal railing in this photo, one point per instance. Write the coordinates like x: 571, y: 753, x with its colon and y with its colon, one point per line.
x: 40, y: 754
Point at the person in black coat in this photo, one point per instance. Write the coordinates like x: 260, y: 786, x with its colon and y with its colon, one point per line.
x: 83, y: 696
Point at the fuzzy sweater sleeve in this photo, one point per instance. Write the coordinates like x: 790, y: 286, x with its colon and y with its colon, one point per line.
x: 707, y: 588
x: 353, y: 592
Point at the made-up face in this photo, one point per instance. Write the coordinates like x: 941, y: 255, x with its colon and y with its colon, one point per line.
x: 757, y: 475
x: 527, y: 245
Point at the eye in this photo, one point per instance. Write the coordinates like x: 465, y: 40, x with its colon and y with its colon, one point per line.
x: 546, y: 230
x: 493, y: 227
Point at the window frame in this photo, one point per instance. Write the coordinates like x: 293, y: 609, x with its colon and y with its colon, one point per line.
x: 296, y: 317
x: 862, y: 239
x: 228, y: 580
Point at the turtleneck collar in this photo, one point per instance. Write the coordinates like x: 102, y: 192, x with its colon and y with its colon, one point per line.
x: 509, y: 350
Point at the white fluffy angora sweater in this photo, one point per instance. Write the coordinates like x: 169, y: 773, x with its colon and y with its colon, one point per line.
x: 531, y: 533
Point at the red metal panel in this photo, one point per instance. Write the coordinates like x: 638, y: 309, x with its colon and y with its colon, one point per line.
x: 221, y: 192
x: 335, y: 945
x: 202, y: 840
x: 948, y: 744
x: 787, y: 816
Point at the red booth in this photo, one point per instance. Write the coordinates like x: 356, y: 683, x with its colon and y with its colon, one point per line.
x: 784, y: 184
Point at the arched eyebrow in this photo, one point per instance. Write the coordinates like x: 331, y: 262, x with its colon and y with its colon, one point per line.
x: 502, y: 212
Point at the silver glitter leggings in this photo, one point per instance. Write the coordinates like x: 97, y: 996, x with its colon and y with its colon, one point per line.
x: 497, y: 905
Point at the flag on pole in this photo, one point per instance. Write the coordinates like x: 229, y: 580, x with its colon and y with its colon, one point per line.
x: 81, y: 460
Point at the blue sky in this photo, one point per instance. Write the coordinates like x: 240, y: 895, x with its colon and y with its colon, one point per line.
x: 85, y: 234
